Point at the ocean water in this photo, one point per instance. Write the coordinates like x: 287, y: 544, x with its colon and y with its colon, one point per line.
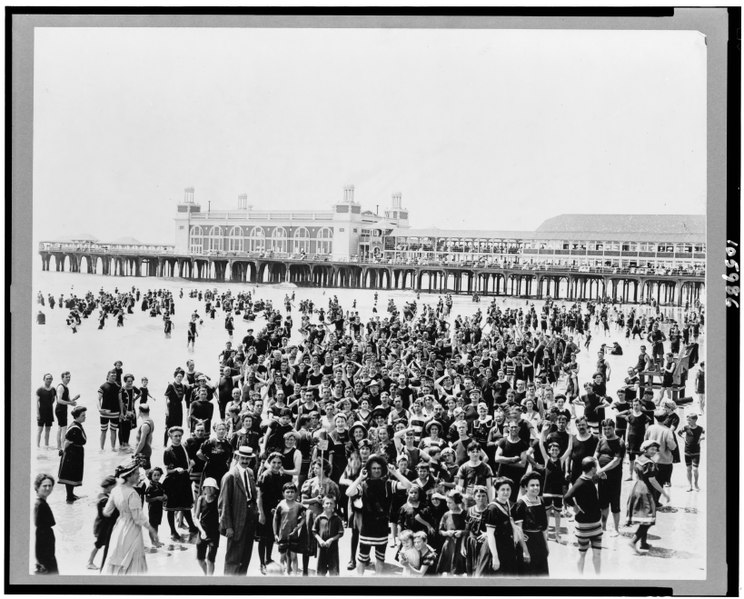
x: 141, y: 344
x: 145, y: 351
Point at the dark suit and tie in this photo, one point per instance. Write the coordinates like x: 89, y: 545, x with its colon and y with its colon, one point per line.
x: 238, y: 517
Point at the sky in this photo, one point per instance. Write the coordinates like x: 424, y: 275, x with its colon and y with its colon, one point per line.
x: 477, y: 129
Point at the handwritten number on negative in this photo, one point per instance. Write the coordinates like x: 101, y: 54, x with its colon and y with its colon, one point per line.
x: 731, y: 277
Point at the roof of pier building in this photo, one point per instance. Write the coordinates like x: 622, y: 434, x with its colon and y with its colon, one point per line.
x: 599, y: 227
x: 127, y: 241
x: 462, y: 233
x: 631, y: 227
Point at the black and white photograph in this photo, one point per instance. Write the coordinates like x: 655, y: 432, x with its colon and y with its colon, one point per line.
x: 362, y: 300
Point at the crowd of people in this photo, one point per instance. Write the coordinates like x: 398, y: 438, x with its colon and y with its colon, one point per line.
x: 443, y: 446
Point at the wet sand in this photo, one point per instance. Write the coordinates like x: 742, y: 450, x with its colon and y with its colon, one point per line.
x: 678, y: 539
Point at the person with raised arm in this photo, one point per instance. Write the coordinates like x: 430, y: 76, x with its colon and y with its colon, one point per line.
x: 554, y: 485
x: 584, y: 498
x: 376, y: 489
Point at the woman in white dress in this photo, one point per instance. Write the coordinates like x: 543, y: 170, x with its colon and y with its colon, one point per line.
x: 127, y: 547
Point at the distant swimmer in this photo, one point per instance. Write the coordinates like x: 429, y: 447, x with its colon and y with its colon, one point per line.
x: 191, y: 334
x: 167, y: 325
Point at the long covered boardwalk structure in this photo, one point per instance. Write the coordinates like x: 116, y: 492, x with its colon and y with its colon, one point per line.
x: 529, y: 281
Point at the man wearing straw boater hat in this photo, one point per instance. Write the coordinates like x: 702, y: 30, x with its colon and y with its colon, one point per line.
x: 238, y: 512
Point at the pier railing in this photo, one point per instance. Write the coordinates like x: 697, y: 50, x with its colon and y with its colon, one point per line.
x: 105, y: 248
x: 373, y: 262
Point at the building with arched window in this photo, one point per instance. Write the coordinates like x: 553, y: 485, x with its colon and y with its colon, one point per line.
x: 324, y: 240
x: 256, y: 240
x: 279, y: 240
x: 215, y: 240
x: 236, y: 240
x: 301, y: 240
x: 196, y: 240
x: 343, y: 232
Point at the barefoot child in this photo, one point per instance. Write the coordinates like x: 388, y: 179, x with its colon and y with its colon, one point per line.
x: 693, y: 434
x: 206, y: 518
x: 328, y: 528
x: 428, y: 565
x: 555, y: 478
x: 288, y: 520
x: 408, y: 555
x: 155, y: 497
x: 103, y: 525
x: 144, y: 391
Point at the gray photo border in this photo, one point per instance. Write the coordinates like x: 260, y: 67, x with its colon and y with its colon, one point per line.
x: 711, y: 22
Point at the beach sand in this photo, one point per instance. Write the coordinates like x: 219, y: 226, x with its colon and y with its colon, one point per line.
x: 678, y: 538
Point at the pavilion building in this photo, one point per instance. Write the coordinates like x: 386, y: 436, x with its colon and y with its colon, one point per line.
x: 623, y: 241
x: 346, y: 232
x: 343, y: 232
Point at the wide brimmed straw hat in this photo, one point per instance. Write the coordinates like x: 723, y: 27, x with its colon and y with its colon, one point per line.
x: 245, y: 451
x: 124, y: 470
